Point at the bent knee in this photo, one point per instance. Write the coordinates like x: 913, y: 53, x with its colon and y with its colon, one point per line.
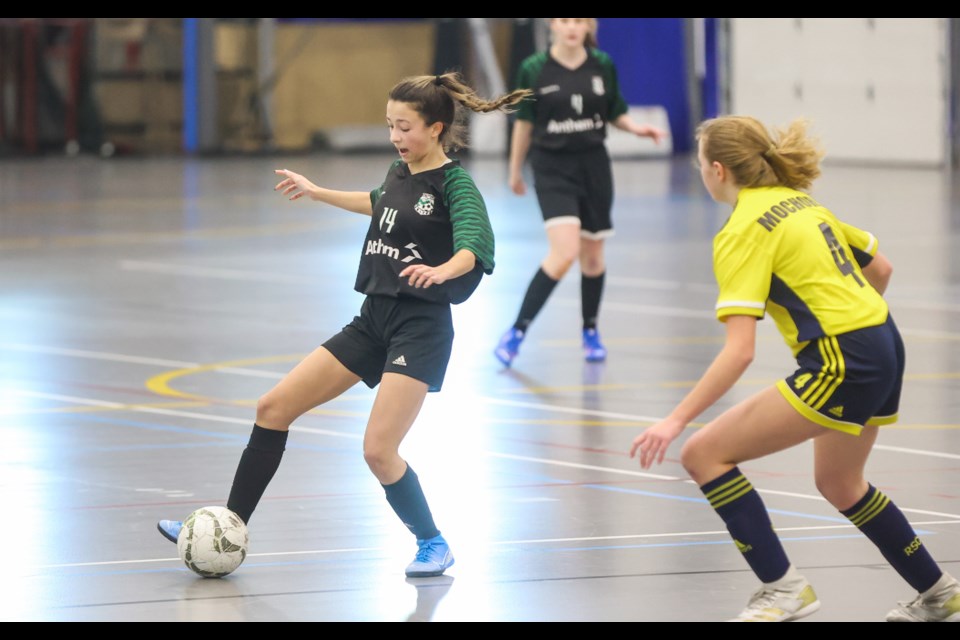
x: 270, y: 413
x: 592, y: 267
x: 841, y: 491
x: 695, y: 459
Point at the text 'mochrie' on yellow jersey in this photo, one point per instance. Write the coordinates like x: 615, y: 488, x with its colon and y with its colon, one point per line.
x: 784, y: 253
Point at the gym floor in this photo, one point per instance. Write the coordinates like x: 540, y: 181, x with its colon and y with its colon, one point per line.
x: 147, y: 303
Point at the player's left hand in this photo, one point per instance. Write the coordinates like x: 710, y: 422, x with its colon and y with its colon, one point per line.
x: 651, y: 445
x: 424, y: 276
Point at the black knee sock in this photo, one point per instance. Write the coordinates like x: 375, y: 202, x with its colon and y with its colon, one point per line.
x: 539, y: 290
x: 738, y: 503
x: 258, y: 463
x: 885, y: 525
x: 408, y: 502
x: 591, y: 290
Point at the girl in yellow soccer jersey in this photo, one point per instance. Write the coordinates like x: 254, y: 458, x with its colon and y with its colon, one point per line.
x: 781, y: 252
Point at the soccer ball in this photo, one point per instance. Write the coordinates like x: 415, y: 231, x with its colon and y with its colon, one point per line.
x: 213, y: 542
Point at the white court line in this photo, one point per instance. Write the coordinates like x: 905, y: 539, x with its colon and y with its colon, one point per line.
x: 585, y: 412
x: 512, y: 403
x: 577, y: 465
x: 638, y: 418
x: 173, y: 413
x: 698, y: 287
x: 682, y: 534
x: 97, y: 355
x: 650, y: 476
x: 672, y: 312
x: 492, y: 543
x: 661, y: 285
x: 214, y: 272
x: 918, y: 452
x: 242, y: 275
x: 119, y: 357
x: 546, y: 461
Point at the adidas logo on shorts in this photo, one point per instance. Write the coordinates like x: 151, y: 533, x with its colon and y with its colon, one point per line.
x: 400, y: 362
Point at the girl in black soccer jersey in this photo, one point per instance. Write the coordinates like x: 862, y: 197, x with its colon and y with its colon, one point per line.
x: 783, y: 253
x: 428, y: 245
x: 564, y: 131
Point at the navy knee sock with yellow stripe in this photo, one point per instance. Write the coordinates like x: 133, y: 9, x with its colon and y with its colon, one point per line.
x: 885, y: 525
x: 738, y: 503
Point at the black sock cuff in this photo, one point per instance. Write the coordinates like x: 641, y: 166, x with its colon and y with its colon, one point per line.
x: 408, y: 476
x: 585, y: 278
x: 542, y: 276
x: 268, y: 439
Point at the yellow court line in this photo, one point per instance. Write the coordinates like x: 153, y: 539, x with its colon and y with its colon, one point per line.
x: 689, y: 384
x: 160, y: 384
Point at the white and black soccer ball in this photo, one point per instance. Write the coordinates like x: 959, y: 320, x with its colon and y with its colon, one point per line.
x: 213, y: 542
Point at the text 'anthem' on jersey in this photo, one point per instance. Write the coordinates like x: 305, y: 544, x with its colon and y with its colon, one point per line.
x: 425, y: 218
x: 571, y: 107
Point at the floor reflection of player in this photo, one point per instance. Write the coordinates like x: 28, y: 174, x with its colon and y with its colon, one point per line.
x: 430, y: 591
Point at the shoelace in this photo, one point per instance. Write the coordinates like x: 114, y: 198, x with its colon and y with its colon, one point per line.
x: 764, y: 599
x: 918, y: 601
x: 423, y: 555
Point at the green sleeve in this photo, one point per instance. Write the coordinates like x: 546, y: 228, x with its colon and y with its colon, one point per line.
x: 375, y: 195
x: 527, y: 76
x: 468, y: 215
x: 617, y: 105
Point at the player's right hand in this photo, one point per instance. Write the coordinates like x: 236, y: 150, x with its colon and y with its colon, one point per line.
x: 517, y: 185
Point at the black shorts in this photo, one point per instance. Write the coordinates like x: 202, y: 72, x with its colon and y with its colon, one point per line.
x: 575, y: 188
x: 851, y: 380
x: 396, y: 335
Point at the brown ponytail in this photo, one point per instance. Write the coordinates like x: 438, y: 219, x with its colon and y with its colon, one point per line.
x: 444, y: 98
x: 756, y: 158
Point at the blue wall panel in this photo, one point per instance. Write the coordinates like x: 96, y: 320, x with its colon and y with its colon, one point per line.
x: 651, y: 61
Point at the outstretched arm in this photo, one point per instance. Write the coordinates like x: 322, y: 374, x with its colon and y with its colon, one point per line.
x: 723, y: 373
x: 626, y: 123
x: 296, y: 186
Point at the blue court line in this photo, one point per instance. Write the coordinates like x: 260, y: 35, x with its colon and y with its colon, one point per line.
x: 677, y: 498
x: 797, y: 514
x: 661, y: 545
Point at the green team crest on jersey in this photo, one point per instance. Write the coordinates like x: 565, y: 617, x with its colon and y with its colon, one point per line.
x: 425, y: 204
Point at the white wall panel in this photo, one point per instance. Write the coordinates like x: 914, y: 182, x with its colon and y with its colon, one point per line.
x: 874, y: 89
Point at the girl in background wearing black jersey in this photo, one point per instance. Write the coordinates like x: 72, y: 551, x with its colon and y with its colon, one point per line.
x: 564, y: 130
x: 428, y: 245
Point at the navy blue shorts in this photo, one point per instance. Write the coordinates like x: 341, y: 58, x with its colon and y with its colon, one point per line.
x: 845, y: 382
x: 396, y: 335
x: 575, y: 188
